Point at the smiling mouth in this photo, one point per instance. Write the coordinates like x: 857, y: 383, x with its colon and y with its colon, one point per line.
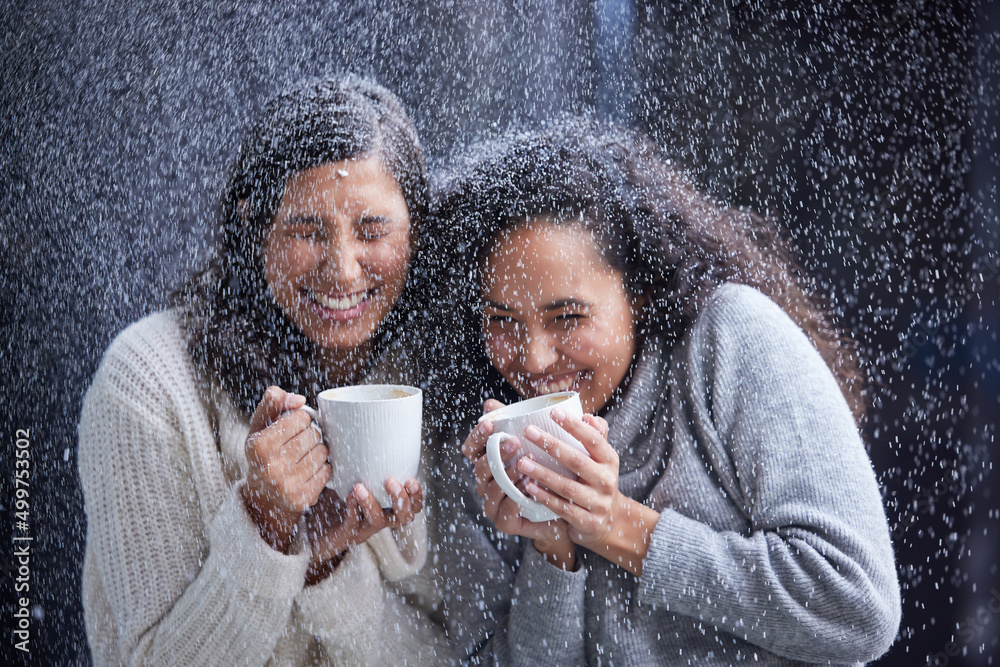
x: 550, y: 384
x: 341, y: 306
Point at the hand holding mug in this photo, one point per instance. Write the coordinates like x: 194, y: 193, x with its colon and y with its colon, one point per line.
x: 502, y: 510
x: 373, y: 434
x: 286, y: 466
x: 587, y: 499
x: 512, y: 422
x: 334, y: 525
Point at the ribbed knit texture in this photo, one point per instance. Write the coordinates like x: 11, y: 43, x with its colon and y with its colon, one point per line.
x: 772, y: 545
x: 175, y: 571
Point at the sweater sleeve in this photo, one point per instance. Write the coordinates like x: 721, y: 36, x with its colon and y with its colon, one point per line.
x: 181, y: 588
x: 504, y: 603
x: 813, y: 576
x: 361, y: 618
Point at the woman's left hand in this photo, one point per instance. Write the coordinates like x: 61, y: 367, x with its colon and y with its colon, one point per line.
x: 599, y: 516
x: 334, y: 525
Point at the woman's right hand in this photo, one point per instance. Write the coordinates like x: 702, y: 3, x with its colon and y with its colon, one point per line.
x: 287, y: 466
x: 551, y: 538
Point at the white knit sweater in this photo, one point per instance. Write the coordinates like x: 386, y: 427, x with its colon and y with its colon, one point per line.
x: 175, y: 571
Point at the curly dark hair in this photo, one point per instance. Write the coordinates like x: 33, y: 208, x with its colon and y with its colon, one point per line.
x: 237, y: 334
x: 673, y: 245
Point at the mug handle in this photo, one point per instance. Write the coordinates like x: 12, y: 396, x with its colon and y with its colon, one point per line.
x: 531, y: 510
x: 314, y: 416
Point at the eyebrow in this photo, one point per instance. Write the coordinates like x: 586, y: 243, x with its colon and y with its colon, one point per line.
x: 304, y: 219
x: 565, y: 303
x: 555, y: 305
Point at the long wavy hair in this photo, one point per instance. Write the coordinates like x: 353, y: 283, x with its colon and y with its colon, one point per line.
x: 237, y: 334
x: 672, y: 244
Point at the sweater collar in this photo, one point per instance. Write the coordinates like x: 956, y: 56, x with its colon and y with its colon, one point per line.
x: 633, y: 415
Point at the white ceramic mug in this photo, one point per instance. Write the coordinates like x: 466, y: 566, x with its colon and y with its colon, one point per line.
x: 373, y: 433
x: 510, y: 422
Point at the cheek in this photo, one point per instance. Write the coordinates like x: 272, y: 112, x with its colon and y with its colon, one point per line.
x: 586, y: 346
x: 500, y: 348
x: 283, y: 262
x: 390, y: 263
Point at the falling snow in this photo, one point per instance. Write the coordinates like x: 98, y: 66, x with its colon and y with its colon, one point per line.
x: 868, y: 133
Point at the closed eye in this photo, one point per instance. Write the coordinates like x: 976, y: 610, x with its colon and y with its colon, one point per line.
x: 568, y: 320
x: 301, y: 228
x: 374, y: 228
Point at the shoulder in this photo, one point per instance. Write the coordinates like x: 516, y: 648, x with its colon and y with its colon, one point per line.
x: 161, y: 329
x: 744, y: 347
x: 744, y: 325
x: 743, y: 340
x: 734, y: 308
x: 148, y: 356
x: 144, y: 390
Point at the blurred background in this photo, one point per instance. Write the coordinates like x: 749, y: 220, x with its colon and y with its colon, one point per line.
x: 867, y: 131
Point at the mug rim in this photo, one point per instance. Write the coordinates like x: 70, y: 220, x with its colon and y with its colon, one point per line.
x: 525, y: 407
x: 330, y: 394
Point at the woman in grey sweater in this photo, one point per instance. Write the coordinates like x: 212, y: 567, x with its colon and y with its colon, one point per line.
x: 727, y: 510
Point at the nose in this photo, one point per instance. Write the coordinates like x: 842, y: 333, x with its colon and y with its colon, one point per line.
x: 342, y: 262
x: 539, y: 352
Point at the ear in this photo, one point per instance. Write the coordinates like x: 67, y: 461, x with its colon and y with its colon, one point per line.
x: 241, y: 207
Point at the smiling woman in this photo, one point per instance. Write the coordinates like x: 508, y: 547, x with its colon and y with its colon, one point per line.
x: 556, y: 317
x: 211, y: 535
x: 724, y: 509
x: 338, y: 254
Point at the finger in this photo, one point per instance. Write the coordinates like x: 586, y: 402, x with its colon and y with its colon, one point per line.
x: 314, y: 460
x: 275, y: 401
x: 401, y: 513
x: 475, y: 445
x: 296, y: 482
x: 492, y: 495
x: 600, y: 423
x: 573, y: 459
x: 491, y: 404
x: 315, y: 485
x: 508, y: 450
x: 484, y: 473
x: 304, y: 444
x: 372, y: 512
x: 589, y: 436
x: 416, y: 493
x: 285, y: 428
x: 565, y: 509
x: 537, y: 475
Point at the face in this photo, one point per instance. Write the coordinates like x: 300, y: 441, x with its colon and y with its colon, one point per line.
x: 338, y: 252
x: 556, y: 315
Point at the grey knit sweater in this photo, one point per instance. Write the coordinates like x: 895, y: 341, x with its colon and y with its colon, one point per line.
x: 772, y: 544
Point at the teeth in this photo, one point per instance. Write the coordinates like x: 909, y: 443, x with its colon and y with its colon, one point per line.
x: 547, y: 386
x: 345, y: 302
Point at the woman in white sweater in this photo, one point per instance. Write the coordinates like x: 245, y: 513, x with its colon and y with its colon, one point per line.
x: 211, y: 536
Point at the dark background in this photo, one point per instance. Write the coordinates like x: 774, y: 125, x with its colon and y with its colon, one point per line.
x: 868, y: 131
